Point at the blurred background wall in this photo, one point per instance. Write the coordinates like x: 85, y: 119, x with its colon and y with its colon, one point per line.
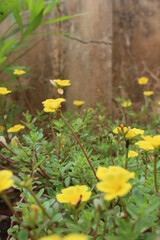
x: 104, y: 52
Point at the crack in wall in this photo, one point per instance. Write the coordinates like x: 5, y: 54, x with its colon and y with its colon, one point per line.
x: 90, y: 41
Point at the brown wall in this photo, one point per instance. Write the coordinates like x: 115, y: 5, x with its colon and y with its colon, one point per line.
x: 87, y: 56
x: 136, y: 47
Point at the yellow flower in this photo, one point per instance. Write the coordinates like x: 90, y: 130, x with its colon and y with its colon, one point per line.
x: 72, y: 236
x: 78, y: 103
x: 146, y: 146
x: 74, y: 195
x: 126, y: 104
x: 51, y: 237
x: 51, y: 105
x: 154, y: 141
x: 4, y: 91
x: 133, y: 132
x: 132, y: 154
x: 15, y: 128
x: 143, y: 81
x: 62, y: 83
x: 128, y: 132
x: 159, y: 103
x: 148, y: 93
x: 6, y: 180
x: 1, y: 128
x: 19, y: 72
x: 114, y: 182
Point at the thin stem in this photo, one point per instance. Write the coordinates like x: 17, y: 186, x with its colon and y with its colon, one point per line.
x: 4, y: 121
x: 146, y: 160
x: 155, y: 173
x: 25, y: 96
x: 84, y: 152
x: 111, y: 154
x: 126, y: 160
x: 38, y: 202
x: 97, y: 225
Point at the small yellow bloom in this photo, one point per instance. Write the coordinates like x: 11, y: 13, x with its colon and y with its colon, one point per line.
x: 72, y: 236
x: 62, y: 83
x: 15, y: 128
x: 19, y: 72
x: 143, y: 81
x: 6, y: 180
x: 128, y: 132
x: 114, y: 181
x: 132, y: 154
x: 51, y: 105
x: 126, y: 104
x: 1, y: 128
x: 146, y: 146
x: 154, y: 141
x: 74, y: 195
x: 4, y: 91
x: 78, y: 103
x: 148, y: 93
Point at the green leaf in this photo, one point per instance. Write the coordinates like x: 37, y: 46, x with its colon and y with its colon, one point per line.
x: 60, y: 19
x: 22, y: 235
x: 3, y: 59
x: 51, y: 5
x: 33, y: 25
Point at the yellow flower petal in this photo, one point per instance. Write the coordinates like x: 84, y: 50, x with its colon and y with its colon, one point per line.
x: 15, y: 128
x: 78, y: 103
x: 143, y: 81
x: 6, y: 180
x: 74, y: 194
x: 19, y: 72
x: 4, y: 91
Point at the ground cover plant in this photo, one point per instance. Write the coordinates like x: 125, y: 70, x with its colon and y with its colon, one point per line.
x: 80, y: 175
x: 75, y: 174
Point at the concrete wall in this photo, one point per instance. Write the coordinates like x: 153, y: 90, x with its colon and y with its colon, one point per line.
x: 136, y: 48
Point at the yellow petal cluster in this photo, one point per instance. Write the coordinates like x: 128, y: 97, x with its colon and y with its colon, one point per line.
x: 78, y: 103
x: 146, y: 146
x: 51, y: 105
x: 126, y: 104
x: 6, y: 180
x: 114, y: 181
x: 72, y: 236
x: 148, y: 93
x: 132, y: 154
x: 4, y: 91
x: 15, y: 128
x: 62, y: 83
x: 142, y: 81
x: 19, y: 72
x: 128, y: 132
x: 74, y: 194
x: 154, y: 141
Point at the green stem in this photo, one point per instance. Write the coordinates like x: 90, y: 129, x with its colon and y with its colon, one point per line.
x: 111, y: 153
x: 38, y: 202
x: 155, y: 173
x: 4, y: 121
x: 126, y: 160
x: 25, y: 96
x: 146, y: 160
x: 97, y: 225
x: 75, y: 136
